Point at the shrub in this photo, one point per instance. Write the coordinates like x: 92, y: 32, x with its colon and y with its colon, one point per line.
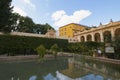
x: 54, y: 50
x: 117, y: 47
x: 41, y: 51
x: 84, y: 48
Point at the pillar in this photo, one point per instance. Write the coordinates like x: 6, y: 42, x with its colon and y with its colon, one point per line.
x: 93, y: 38
x: 113, y: 34
x: 79, y: 38
x: 101, y: 36
x: 85, y: 36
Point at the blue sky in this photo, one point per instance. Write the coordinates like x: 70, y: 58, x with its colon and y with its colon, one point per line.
x: 61, y: 12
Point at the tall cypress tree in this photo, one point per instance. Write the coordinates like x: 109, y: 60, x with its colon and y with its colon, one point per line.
x: 5, y: 15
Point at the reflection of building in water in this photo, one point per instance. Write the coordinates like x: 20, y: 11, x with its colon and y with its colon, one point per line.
x: 78, y: 70
x: 72, y: 71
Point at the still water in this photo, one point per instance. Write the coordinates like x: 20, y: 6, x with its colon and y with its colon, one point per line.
x: 64, y: 68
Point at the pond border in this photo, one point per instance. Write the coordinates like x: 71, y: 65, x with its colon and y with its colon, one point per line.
x: 35, y: 57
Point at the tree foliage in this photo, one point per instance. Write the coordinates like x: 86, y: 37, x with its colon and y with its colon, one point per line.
x: 42, y: 28
x: 117, y: 46
x: 54, y: 49
x: 15, y: 19
x: 41, y: 51
x: 5, y: 15
x: 26, y: 24
x: 14, y: 22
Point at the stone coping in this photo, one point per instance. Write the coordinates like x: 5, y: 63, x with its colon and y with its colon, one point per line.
x: 23, y: 57
x: 48, y: 56
x: 26, y: 57
x: 103, y: 59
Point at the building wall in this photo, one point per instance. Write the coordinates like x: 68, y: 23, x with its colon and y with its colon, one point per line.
x: 100, y: 33
x: 70, y: 29
x: 51, y: 34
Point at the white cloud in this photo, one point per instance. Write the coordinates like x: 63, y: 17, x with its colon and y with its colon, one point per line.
x: 61, y: 18
x: 19, y: 10
x: 29, y: 3
x: 58, y: 14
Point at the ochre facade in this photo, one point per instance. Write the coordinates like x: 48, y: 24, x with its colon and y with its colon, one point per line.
x: 100, y: 34
x: 70, y: 29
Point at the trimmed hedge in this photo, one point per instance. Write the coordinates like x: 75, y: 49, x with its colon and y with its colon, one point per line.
x: 17, y: 45
x: 85, y: 47
x: 23, y: 44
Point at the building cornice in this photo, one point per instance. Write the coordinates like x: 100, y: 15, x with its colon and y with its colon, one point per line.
x: 101, y: 27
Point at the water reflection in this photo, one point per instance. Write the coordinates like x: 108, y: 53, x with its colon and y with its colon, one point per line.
x: 61, y: 76
x: 49, y: 77
x: 78, y: 70
x: 33, y: 77
x: 63, y: 68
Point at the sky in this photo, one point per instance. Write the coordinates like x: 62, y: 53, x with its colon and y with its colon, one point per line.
x: 58, y: 13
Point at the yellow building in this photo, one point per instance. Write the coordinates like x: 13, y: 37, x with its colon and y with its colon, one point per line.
x: 69, y: 30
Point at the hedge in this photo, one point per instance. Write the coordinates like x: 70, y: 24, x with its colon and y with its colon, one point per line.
x: 19, y: 44
x: 85, y: 47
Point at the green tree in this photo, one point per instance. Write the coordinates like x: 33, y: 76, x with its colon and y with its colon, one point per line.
x: 41, y: 51
x: 5, y: 15
x: 37, y: 28
x: 26, y: 24
x: 45, y: 27
x: 42, y: 28
x: 15, y: 19
x: 22, y: 24
x: 54, y: 50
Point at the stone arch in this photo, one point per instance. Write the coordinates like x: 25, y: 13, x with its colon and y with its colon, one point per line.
x: 117, y: 32
x: 82, y: 39
x: 97, y: 37
x: 89, y: 37
x: 107, y: 36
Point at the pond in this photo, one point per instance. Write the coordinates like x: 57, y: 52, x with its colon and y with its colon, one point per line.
x: 64, y: 68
